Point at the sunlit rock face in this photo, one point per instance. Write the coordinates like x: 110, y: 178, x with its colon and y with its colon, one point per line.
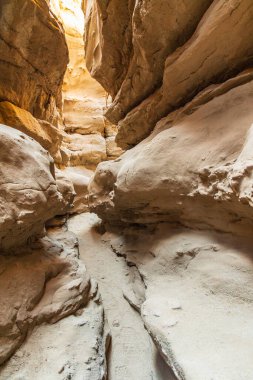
x: 32, y: 68
x: 87, y: 141
x: 34, y: 57
x: 49, y: 136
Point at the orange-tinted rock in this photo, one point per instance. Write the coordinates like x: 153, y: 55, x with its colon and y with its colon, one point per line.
x: 34, y: 57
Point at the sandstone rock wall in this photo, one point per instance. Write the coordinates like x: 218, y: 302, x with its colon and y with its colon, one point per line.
x: 178, y: 205
x: 197, y: 157
x: 108, y: 41
x: 195, y: 169
x: 178, y: 49
x: 50, y: 309
x: 34, y: 57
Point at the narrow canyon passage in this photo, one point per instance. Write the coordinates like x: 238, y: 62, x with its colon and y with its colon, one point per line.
x: 132, y: 353
x: 126, y: 190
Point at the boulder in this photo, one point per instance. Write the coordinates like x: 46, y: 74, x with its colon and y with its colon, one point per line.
x: 43, y: 284
x: 80, y: 178
x: 196, y: 168
x: 30, y: 194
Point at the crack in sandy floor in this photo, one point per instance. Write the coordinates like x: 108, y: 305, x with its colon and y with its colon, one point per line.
x: 133, y: 355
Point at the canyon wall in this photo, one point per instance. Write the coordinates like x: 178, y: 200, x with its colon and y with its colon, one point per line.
x: 178, y: 203
x: 32, y: 71
x: 198, y: 120
x: 176, y: 82
x: 34, y: 57
x: 44, y: 287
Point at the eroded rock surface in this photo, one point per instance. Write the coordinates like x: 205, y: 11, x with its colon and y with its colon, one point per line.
x: 185, y: 100
x: 80, y: 178
x: 49, y: 137
x: 30, y: 194
x: 108, y: 30
x: 198, y: 297
x: 48, y: 302
x: 176, y: 257
x: 75, y: 347
x: 50, y: 283
x: 167, y: 68
x: 195, y: 169
x: 34, y: 57
x: 52, y: 321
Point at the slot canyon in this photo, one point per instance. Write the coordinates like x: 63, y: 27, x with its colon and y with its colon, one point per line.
x: 126, y: 190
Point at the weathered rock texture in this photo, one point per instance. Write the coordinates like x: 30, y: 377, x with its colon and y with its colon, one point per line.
x: 184, y: 191
x: 74, y: 347
x: 34, y: 57
x: 51, y: 284
x: 42, y: 131
x: 169, y: 66
x: 30, y: 192
x: 47, y: 299
x: 108, y: 29
x: 197, y: 302
x: 195, y: 169
x: 115, y: 278
x: 56, y: 286
x: 80, y: 177
x: 178, y: 205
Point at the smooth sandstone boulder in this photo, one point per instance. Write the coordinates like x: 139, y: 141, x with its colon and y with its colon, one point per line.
x: 29, y: 193
x: 196, y: 169
x: 31, y: 74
